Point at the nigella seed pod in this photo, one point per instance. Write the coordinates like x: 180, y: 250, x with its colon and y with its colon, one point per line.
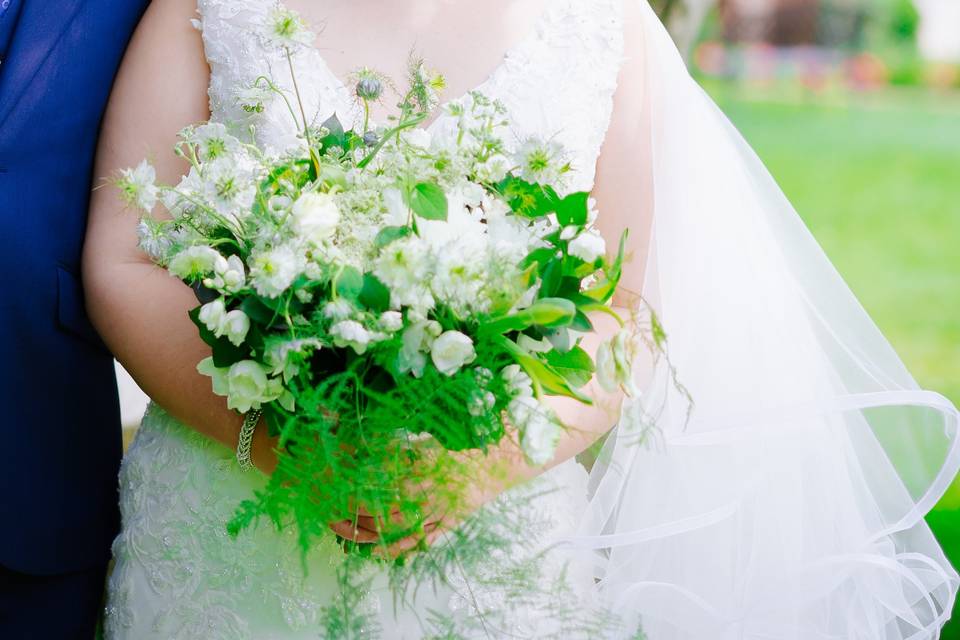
x: 370, y: 138
x: 369, y: 88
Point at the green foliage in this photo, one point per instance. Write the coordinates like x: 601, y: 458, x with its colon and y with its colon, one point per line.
x: 427, y: 200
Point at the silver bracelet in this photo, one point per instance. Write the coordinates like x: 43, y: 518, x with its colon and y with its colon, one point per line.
x: 250, y: 421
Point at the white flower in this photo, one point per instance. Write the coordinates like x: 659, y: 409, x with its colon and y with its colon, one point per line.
x: 212, y: 140
x: 398, y: 213
x: 235, y: 326
x: 350, y: 333
x: 316, y: 216
x: 138, y: 186
x: 536, y: 346
x: 255, y: 98
x: 285, y: 28
x: 588, y: 246
x: 339, y: 309
x: 403, y: 266
x: 539, y: 430
x: 280, y: 355
x: 481, y: 402
x: 212, y: 315
x: 493, y: 169
x: 418, y: 137
x: 196, y: 261
x: 245, y: 384
x: 541, y: 162
x: 417, y: 339
x: 450, y: 351
x: 152, y: 240
x: 615, y: 361
x: 273, y: 271
x: 228, y: 277
x: 517, y: 382
x: 391, y: 320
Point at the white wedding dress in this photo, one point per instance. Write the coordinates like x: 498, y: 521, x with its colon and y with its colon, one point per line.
x: 786, y: 503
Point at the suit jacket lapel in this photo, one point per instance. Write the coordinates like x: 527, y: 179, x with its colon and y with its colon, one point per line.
x: 39, y: 28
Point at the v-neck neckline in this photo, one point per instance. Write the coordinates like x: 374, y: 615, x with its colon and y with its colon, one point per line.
x: 438, y: 112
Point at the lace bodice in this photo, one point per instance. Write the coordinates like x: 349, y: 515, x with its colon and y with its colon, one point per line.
x: 557, y: 82
x: 178, y: 574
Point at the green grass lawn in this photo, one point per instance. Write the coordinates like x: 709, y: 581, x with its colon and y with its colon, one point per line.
x: 877, y: 179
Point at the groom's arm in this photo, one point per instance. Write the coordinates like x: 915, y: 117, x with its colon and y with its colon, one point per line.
x: 139, y: 310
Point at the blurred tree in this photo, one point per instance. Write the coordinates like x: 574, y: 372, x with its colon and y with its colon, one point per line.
x: 683, y: 19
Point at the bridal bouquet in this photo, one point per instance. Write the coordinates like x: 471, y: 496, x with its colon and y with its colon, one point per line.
x: 396, y: 303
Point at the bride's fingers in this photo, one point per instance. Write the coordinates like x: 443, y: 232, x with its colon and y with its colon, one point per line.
x: 352, y: 531
x: 433, y: 530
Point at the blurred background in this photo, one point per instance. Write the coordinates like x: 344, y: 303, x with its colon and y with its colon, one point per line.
x: 854, y: 105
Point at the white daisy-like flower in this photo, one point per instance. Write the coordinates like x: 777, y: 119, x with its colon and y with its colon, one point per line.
x: 273, y: 271
x: 285, y: 28
x: 138, y: 186
x: 541, y: 161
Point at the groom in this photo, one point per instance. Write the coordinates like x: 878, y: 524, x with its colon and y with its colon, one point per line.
x: 60, y: 440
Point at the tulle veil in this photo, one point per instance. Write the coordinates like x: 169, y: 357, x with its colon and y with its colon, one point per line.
x: 788, y: 501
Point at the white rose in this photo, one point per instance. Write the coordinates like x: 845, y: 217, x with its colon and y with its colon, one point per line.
x: 350, y: 333
x: 391, y: 320
x: 212, y: 315
x: 539, y: 431
x: 588, y: 246
x: 235, y: 326
x: 245, y: 384
x: 316, y: 216
x: 196, y: 261
x: 451, y: 351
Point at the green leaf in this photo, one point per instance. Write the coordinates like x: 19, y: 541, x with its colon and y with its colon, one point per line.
x: 573, y: 209
x: 540, y: 257
x: 349, y: 282
x: 389, y: 234
x: 257, y: 311
x: 575, y: 365
x: 374, y: 295
x: 544, y: 377
x: 581, y: 322
x: 550, y: 312
x: 428, y: 201
x: 528, y: 199
x: 550, y: 279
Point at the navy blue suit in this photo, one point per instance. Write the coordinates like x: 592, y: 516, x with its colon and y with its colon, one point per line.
x: 60, y: 442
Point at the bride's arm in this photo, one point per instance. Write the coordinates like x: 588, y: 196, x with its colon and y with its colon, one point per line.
x: 624, y: 195
x: 138, y: 309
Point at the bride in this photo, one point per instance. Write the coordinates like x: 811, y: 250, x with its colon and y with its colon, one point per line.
x: 782, y: 494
